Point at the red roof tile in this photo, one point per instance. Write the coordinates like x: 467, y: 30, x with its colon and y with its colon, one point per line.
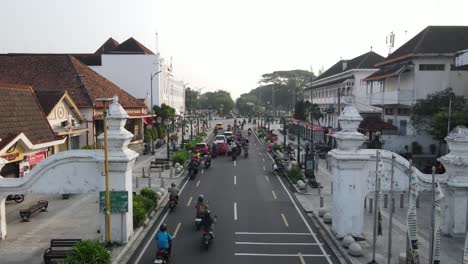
x: 46, y: 72
x: 20, y: 112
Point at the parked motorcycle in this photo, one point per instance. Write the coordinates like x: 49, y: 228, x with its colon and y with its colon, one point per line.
x: 162, y: 257
x: 19, y: 198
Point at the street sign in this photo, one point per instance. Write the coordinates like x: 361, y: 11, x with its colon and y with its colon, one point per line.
x: 118, y: 201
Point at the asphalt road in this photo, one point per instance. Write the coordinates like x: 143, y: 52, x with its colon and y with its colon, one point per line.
x: 258, y: 221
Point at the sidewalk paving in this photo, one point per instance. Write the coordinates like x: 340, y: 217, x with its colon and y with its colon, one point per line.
x: 76, y: 217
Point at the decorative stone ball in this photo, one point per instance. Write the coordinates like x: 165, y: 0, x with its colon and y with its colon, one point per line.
x: 159, y: 194
x: 301, y: 185
x: 322, y: 211
x: 177, y: 164
x: 347, y: 241
x: 327, y: 218
x: 355, y: 250
x: 178, y: 169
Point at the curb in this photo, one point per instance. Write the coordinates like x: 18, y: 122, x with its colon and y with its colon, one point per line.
x: 138, y: 235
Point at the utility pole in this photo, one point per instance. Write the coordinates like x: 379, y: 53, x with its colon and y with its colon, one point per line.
x: 339, y: 107
x: 449, y: 116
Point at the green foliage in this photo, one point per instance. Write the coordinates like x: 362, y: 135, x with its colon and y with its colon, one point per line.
x: 88, y: 147
x: 150, y: 194
x: 432, y: 113
x: 432, y: 148
x: 142, y: 205
x: 220, y: 101
x: 247, y: 104
x: 191, y: 101
x: 154, y: 133
x: 295, y: 174
x: 304, y: 108
x: 203, y: 134
x: 139, y: 214
x: 89, y: 252
x: 190, y: 145
x: 416, y: 148
x: 181, y: 156
x: 276, y: 147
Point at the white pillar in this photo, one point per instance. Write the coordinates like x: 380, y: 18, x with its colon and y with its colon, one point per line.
x: 455, y: 206
x: 3, y: 227
x: 121, y: 161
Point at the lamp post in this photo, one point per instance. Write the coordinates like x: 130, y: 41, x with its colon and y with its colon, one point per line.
x: 152, y: 110
x: 298, y: 142
x: 191, y: 127
x: 284, y: 133
x: 183, y: 132
x: 198, y: 124
x: 104, y: 101
x: 166, y: 127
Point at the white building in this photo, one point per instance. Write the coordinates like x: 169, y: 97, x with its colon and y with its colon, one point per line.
x: 343, y: 81
x: 172, y: 91
x: 423, y: 65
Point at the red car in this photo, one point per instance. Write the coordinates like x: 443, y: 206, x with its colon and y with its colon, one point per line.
x: 202, y: 148
x: 222, y: 148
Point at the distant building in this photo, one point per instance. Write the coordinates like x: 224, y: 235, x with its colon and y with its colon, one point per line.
x: 64, y: 73
x: 423, y: 65
x: 26, y: 137
x: 172, y: 91
x: 343, y: 81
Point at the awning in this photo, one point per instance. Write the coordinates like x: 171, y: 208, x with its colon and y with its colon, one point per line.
x: 374, y: 123
x: 390, y: 71
x: 307, y: 125
x: 148, y: 121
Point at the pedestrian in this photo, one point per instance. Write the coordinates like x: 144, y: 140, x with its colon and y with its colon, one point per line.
x: 379, y: 226
x: 307, y: 148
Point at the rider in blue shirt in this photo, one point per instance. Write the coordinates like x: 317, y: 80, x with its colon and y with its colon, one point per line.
x: 164, y: 239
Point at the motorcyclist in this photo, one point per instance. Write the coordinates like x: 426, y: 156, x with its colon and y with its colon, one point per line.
x: 174, y: 193
x: 201, y: 206
x: 249, y: 131
x: 207, y: 222
x: 164, y: 239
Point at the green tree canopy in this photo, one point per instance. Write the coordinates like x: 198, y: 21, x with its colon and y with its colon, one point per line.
x: 191, y: 100
x: 432, y: 113
x: 166, y: 113
x: 220, y: 101
x: 247, y: 104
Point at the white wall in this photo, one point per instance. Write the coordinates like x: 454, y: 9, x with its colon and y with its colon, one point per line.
x: 132, y: 73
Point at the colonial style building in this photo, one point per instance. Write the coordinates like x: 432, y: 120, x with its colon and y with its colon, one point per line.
x: 423, y: 65
x: 343, y: 81
x: 64, y: 73
x: 26, y: 137
x: 172, y: 91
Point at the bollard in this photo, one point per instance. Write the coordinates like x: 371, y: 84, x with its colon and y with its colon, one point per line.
x: 393, y: 204
x: 171, y: 172
x: 371, y: 205
x: 319, y: 188
x: 321, y: 201
x: 143, y: 172
x: 160, y: 174
x: 136, y: 182
x: 402, y: 199
x: 417, y: 202
x: 365, y: 202
x: 385, y: 200
x: 331, y: 188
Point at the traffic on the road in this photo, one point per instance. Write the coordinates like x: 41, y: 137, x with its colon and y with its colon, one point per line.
x: 236, y: 210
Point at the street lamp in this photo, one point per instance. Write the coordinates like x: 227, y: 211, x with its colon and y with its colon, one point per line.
x: 166, y: 127
x: 298, y: 142
x: 152, y: 110
x: 284, y: 133
x: 105, y: 102
x: 183, y: 132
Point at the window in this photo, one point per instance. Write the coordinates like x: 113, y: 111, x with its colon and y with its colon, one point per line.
x: 389, y: 111
x: 431, y: 67
x: 453, y: 68
x: 403, y: 111
x: 402, y: 127
x: 390, y: 121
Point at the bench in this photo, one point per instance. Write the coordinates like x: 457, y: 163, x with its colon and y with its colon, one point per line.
x: 159, y: 163
x: 59, y: 249
x: 41, y: 205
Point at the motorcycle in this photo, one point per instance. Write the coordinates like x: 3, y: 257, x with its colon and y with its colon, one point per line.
x: 172, y: 204
x: 19, y: 198
x: 207, y: 163
x: 246, y: 152
x: 162, y: 257
x: 198, y: 223
x: 234, y: 155
x: 249, y: 133
x: 207, y: 236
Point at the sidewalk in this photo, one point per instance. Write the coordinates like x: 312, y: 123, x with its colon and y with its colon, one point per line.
x: 451, y: 248
x: 76, y: 217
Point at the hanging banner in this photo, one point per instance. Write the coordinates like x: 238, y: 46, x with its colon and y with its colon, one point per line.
x: 37, y: 157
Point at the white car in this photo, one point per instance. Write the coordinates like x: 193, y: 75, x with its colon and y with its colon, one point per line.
x: 220, y: 139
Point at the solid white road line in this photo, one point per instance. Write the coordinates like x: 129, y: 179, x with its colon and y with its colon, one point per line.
x: 198, y: 183
x: 260, y: 233
x: 284, y: 220
x: 235, y: 163
x: 274, y: 194
x: 276, y: 244
x: 302, y: 259
x: 280, y: 255
x: 266, y: 177
x: 189, y: 201
x: 263, y: 160
x: 202, y: 171
x: 235, y: 180
x: 235, y: 211
x: 177, y: 230
x: 264, y: 169
x: 157, y: 229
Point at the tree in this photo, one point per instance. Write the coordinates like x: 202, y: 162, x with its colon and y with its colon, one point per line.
x: 166, y: 113
x: 220, y: 101
x: 246, y: 104
x: 300, y: 110
x: 191, y: 100
x: 432, y: 113
x: 304, y: 108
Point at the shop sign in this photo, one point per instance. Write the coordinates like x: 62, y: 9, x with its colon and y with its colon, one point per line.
x: 37, y: 157
x: 10, y: 157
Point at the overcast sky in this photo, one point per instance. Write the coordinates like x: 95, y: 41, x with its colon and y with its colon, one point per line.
x: 220, y: 44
